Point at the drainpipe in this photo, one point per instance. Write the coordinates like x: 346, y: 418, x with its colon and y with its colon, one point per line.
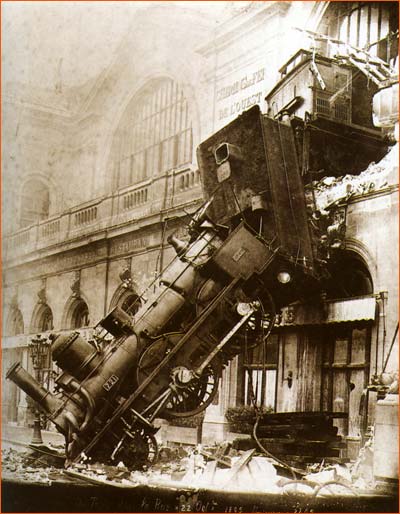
x: 105, y: 310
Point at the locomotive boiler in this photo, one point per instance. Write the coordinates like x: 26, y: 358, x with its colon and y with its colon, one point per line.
x: 250, y: 251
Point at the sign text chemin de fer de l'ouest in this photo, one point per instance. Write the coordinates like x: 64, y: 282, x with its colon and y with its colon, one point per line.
x: 238, y: 102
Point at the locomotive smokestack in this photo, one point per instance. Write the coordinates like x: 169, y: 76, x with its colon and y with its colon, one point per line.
x: 48, y: 402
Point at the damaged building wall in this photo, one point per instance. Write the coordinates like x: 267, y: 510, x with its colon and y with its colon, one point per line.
x: 332, y: 362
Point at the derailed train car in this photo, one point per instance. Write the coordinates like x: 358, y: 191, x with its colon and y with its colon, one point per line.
x: 251, y: 251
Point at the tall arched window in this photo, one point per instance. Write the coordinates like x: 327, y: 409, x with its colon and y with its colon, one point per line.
x: 154, y: 135
x: 80, y: 315
x: 43, y: 320
x: 15, y: 322
x: 35, y: 202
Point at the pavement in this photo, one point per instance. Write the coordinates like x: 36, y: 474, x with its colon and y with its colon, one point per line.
x: 22, y: 436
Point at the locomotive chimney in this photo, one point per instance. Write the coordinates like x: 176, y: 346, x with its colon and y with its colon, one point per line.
x: 47, y: 401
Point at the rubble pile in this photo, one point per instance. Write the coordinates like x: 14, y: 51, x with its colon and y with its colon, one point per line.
x: 27, y: 465
x: 333, y: 190
x: 221, y: 468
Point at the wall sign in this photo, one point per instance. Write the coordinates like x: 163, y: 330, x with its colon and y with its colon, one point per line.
x: 240, y: 94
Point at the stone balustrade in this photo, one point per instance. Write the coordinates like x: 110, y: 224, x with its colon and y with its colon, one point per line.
x: 49, y: 229
x: 18, y: 240
x: 85, y: 216
x: 135, y: 198
x: 176, y: 188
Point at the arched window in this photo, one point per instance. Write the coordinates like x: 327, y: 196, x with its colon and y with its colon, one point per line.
x: 35, y: 202
x: 15, y: 323
x: 80, y: 315
x: 44, y: 319
x: 351, y: 277
x: 154, y: 135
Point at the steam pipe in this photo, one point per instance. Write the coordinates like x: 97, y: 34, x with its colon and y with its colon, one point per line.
x: 90, y: 407
x: 74, y: 386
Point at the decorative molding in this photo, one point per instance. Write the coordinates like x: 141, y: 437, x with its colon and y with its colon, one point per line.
x: 14, y: 298
x: 76, y: 284
x: 359, y: 248
x: 126, y: 274
x: 240, y: 26
x: 42, y: 292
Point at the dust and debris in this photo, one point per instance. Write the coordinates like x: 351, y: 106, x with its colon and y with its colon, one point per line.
x: 246, y: 472
x: 202, y: 467
x: 28, y: 465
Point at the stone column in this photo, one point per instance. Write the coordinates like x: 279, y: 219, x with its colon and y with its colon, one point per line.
x: 215, y: 426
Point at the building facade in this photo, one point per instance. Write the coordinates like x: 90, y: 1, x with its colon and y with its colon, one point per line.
x: 97, y: 177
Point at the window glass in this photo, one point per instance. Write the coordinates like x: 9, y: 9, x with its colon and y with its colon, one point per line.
x: 340, y: 353
x: 45, y: 320
x: 345, y: 373
x: 80, y: 317
x: 154, y: 136
x: 358, y: 347
x: 369, y: 25
x: 131, y: 304
x: 260, y: 373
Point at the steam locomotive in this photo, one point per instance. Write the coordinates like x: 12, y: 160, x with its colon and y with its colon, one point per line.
x: 250, y: 251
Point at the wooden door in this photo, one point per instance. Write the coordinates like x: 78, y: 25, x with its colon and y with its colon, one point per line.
x: 345, y: 370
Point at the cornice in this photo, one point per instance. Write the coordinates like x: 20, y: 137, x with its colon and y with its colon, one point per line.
x: 11, y: 99
x: 239, y: 26
x: 100, y: 235
x: 371, y: 195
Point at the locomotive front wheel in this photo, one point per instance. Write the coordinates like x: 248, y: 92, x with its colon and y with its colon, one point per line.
x: 138, y: 449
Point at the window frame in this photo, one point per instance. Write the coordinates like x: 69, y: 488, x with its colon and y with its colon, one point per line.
x: 331, y: 368
x: 154, y: 135
x: 248, y: 368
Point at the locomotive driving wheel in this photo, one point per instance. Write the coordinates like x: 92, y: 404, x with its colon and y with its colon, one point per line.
x: 254, y: 331
x: 189, y: 394
x: 138, y: 448
x: 188, y: 399
x: 259, y: 325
